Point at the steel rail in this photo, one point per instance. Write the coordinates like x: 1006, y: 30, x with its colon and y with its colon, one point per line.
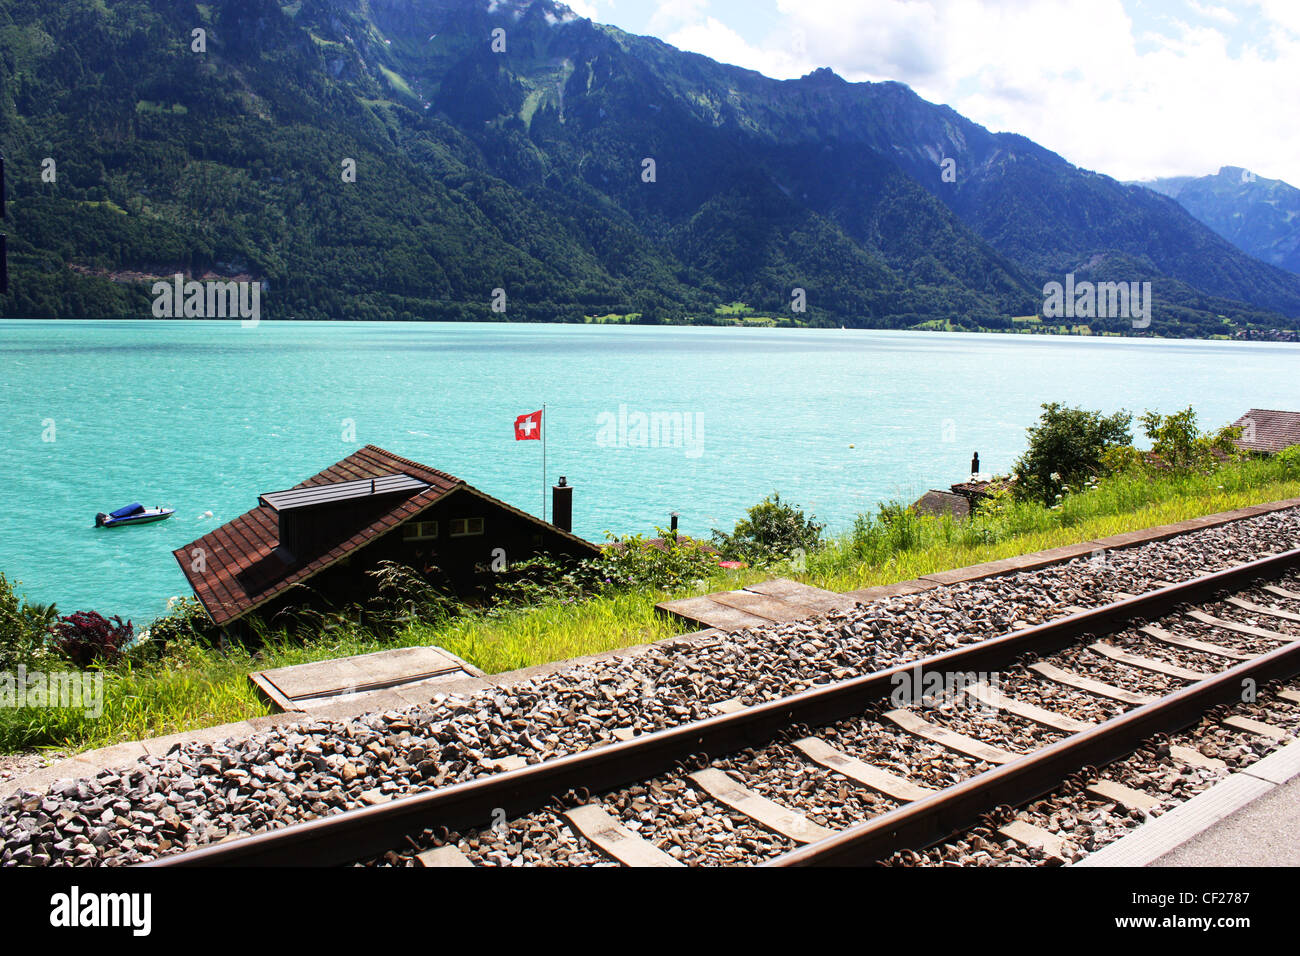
x: 932, y: 819
x: 355, y: 834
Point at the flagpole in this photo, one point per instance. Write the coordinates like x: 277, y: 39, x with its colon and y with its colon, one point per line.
x: 544, y: 461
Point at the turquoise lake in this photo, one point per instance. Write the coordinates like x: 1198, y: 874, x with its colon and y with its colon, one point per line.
x: 204, y: 416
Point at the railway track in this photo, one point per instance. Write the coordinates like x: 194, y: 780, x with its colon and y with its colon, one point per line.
x: 847, y: 773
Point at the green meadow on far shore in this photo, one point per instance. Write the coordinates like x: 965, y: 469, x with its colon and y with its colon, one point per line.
x: 195, y: 686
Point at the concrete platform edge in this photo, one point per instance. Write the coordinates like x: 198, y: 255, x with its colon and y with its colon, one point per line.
x: 1167, y: 832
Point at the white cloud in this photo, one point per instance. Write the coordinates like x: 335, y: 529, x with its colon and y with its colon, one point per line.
x: 675, y: 14
x: 1222, y: 14
x: 583, y: 9
x: 1282, y: 13
x: 1080, y: 78
x: 718, y: 41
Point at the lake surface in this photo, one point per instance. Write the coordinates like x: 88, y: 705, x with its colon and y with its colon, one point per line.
x: 204, y: 416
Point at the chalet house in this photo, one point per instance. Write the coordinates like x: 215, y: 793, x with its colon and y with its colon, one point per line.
x: 372, y: 506
x: 1266, y: 431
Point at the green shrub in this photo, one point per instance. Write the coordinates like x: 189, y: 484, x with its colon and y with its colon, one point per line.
x: 1288, y: 461
x: 544, y: 579
x: 23, y: 628
x: 186, y: 622
x: 1122, y: 460
x: 1179, y: 445
x: 1066, y: 449
x: 635, y: 563
x: 773, y: 531
x: 670, y: 564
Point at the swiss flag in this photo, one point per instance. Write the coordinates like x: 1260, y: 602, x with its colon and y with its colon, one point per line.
x: 528, y: 427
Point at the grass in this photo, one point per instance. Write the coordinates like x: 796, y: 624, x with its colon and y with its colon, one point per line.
x: 397, y: 82
x: 198, y: 687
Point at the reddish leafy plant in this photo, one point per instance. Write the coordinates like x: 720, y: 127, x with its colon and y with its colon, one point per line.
x: 87, y: 637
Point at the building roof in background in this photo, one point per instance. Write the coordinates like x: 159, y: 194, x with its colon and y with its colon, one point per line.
x: 943, y: 502
x: 1268, y: 430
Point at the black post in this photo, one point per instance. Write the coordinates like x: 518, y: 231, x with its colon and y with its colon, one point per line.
x: 562, y: 505
x: 672, y: 523
x: 975, y: 464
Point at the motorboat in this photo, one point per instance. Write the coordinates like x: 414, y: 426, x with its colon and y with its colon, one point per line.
x: 132, y: 514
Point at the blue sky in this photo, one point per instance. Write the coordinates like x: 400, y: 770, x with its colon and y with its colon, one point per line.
x: 1131, y: 88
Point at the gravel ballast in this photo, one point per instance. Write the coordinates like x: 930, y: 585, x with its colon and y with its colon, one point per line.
x: 200, y: 793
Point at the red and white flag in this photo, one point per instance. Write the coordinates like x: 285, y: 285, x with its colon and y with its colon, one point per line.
x: 529, y: 427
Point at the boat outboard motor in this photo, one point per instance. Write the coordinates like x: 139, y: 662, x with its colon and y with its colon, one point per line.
x: 99, y: 519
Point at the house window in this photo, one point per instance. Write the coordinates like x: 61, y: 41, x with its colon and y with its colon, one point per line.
x: 420, y: 530
x: 463, y: 527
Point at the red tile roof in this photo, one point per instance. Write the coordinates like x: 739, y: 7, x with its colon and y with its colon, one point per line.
x: 242, y: 570
x: 1268, y: 430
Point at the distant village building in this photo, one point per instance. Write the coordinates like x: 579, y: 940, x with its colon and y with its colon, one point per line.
x: 372, y: 506
x: 1267, y: 431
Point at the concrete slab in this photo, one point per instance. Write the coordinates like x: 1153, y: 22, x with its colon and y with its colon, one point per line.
x: 1129, y: 539
x: 363, y: 671
x: 1207, y: 521
x: 123, y: 756
x: 88, y: 764
x: 760, y: 605
x: 793, y: 592
x: 702, y: 638
x: 881, y: 591
x: 158, y: 746
x: 278, y: 720
x: 1066, y: 552
x: 975, y: 572
x: 1251, y: 511
x: 314, y: 686
x: 448, y: 856
x: 350, y: 705
x: 421, y: 692
x: 38, y: 781
x: 118, y: 755
x: 537, y: 671
x: 709, y: 613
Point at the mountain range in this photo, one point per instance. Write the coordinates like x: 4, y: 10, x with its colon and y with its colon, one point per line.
x: 1259, y: 216
x: 509, y: 153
